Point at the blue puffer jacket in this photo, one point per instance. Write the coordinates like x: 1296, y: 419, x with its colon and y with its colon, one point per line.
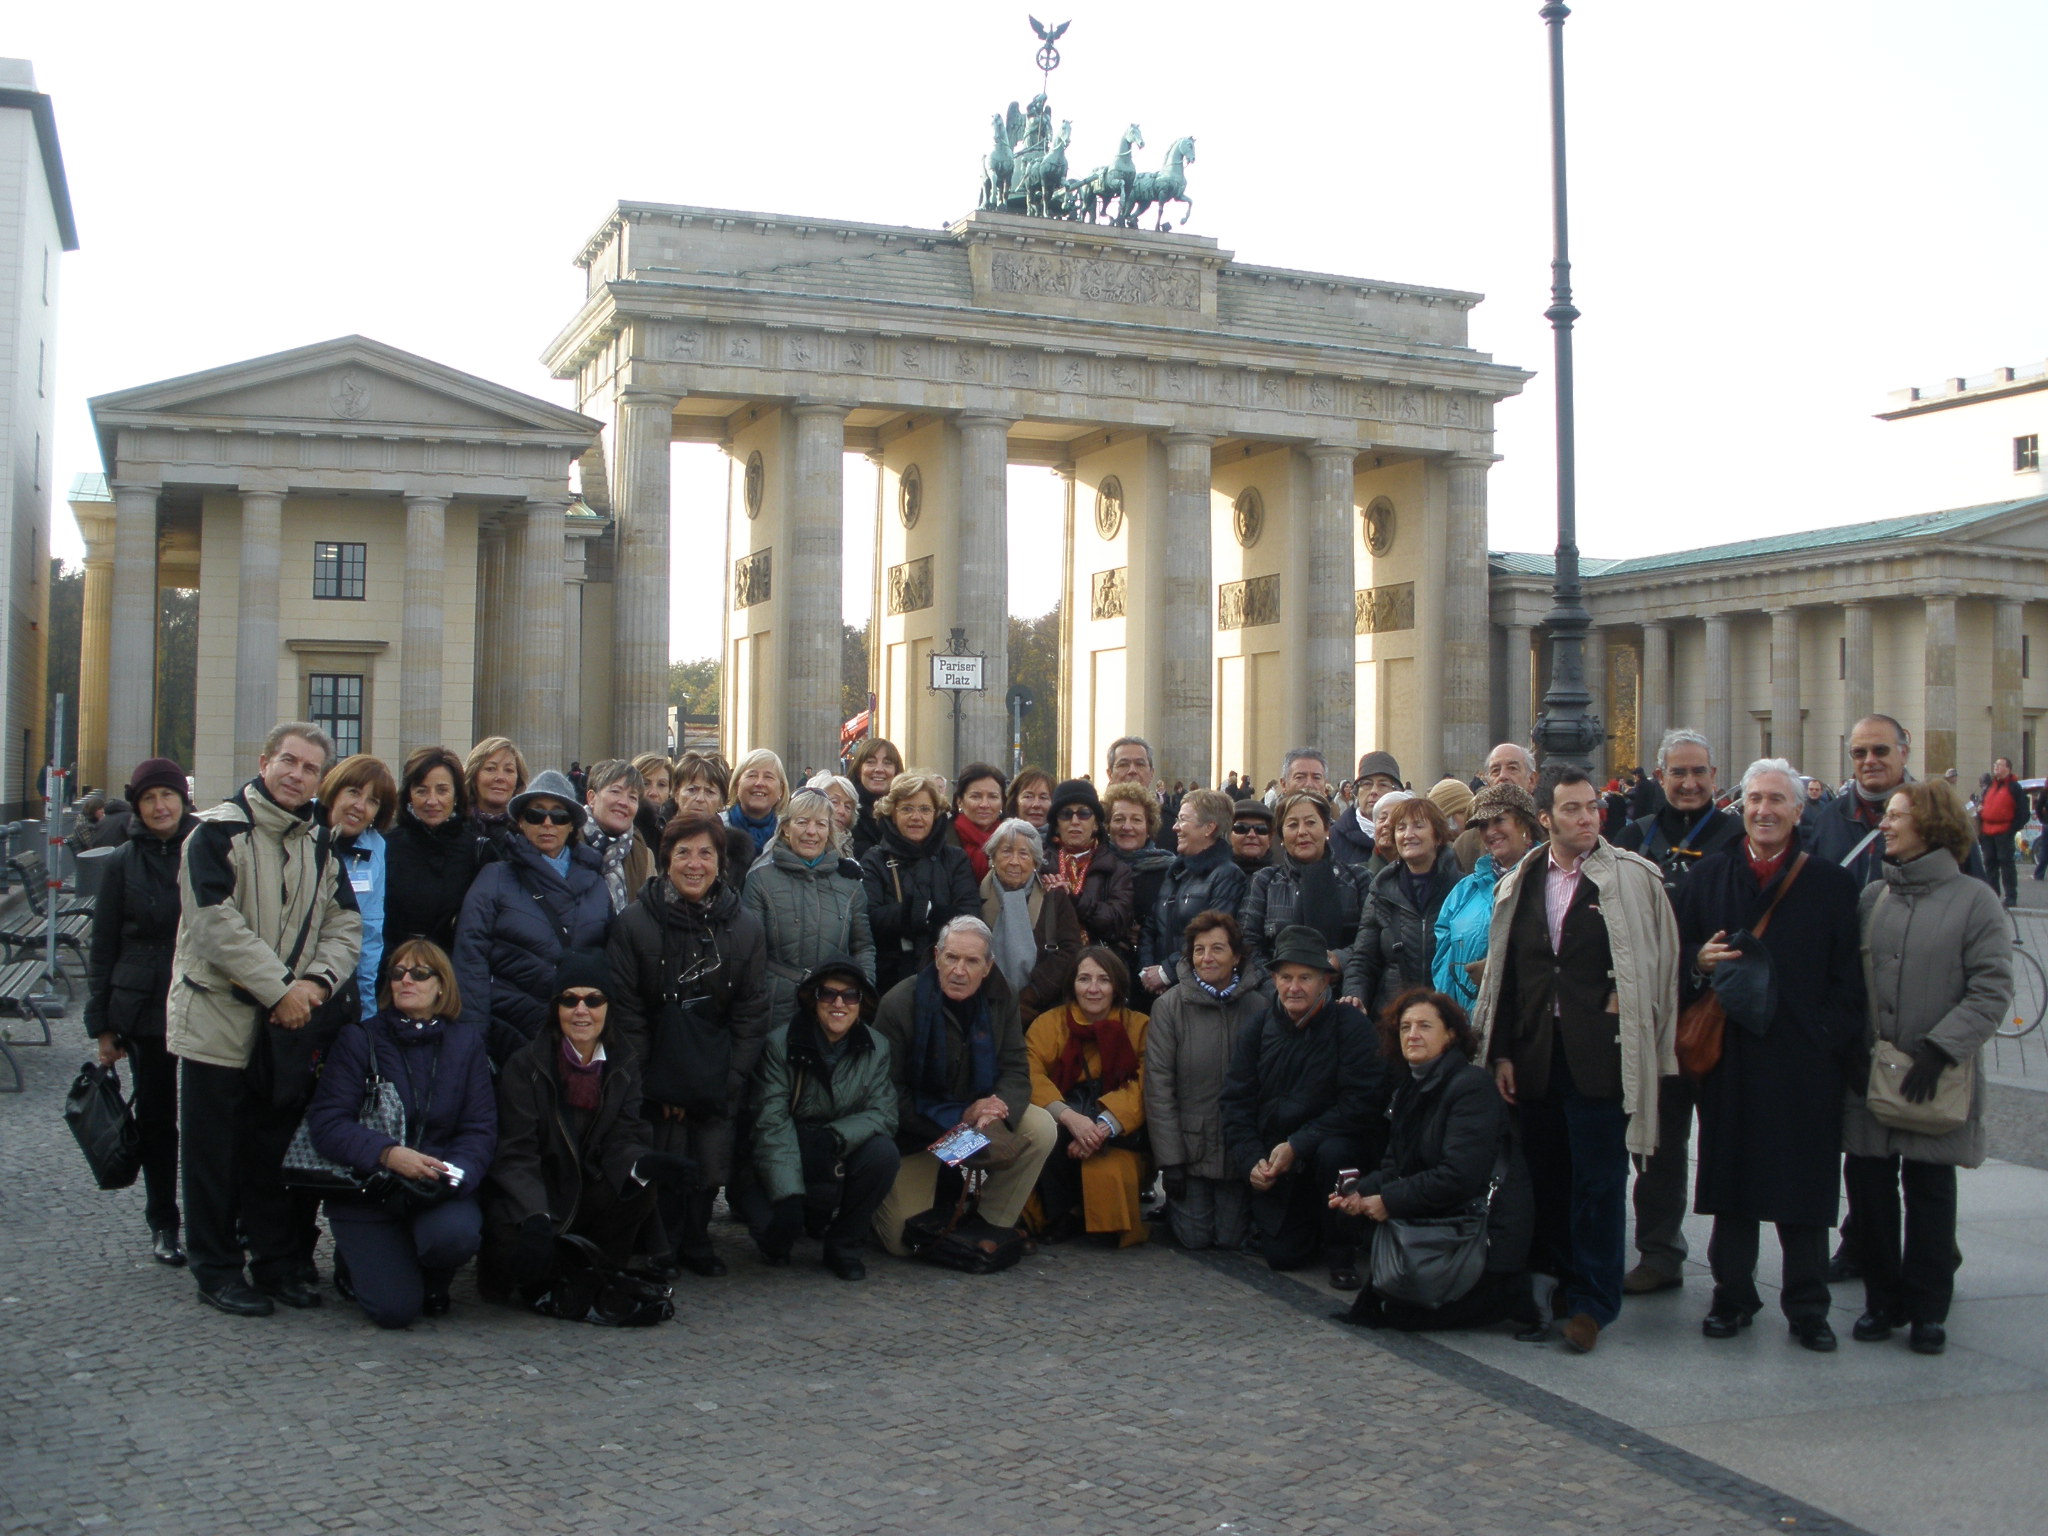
x: 516, y: 920
x: 459, y: 1126
x: 1462, y: 925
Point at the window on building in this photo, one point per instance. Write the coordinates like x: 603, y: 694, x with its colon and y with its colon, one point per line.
x: 1842, y: 656
x: 334, y: 702
x: 2026, y: 452
x: 2026, y: 655
x: 338, y: 570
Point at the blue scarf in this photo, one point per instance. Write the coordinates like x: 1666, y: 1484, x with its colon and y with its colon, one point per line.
x: 1222, y: 993
x: 760, y: 831
x: 930, y: 1081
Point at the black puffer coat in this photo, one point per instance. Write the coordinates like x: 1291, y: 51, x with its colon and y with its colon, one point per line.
x: 427, y: 873
x: 1275, y: 902
x: 135, y: 934
x: 538, y: 1169
x: 660, y: 938
x: 517, y: 919
x: 1396, y: 940
x: 1301, y: 1083
x: 914, y: 890
x: 1209, y: 881
x: 1447, y: 1127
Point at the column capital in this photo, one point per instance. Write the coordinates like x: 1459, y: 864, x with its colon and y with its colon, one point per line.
x: 1471, y: 459
x: 1326, y: 451
x: 135, y: 487
x: 640, y: 395
x: 275, y: 493
x: 1657, y: 625
x: 802, y: 409
x: 427, y: 499
x: 1181, y: 437
x: 984, y: 421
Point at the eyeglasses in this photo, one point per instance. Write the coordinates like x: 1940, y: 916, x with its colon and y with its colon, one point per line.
x: 1859, y: 753
x: 847, y: 995
x: 592, y: 1000
x: 533, y: 816
x: 414, y: 973
x: 1251, y: 829
x: 1076, y: 813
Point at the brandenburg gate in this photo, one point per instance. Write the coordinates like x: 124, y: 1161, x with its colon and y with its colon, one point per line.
x: 1275, y: 511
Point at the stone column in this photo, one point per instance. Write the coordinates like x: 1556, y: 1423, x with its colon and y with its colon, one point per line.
x: 1596, y: 686
x: 807, y: 581
x: 492, y: 603
x: 2006, y: 723
x: 1330, y: 595
x: 91, y: 704
x: 1719, y: 724
x: 575, y: 572
x: 131, y: 629
x: 640, y: 596
x: 1519, y: 659
x: 420, y: 632
x: 256, y: 599
x: 539, y: 629
x: 982, y: 606
x: 1937, y: 744
x: 1187, y: 619
x: 1653, y: 718
x: 1465, y: 631
x: 1859, y: 687
x: 1787, y: 736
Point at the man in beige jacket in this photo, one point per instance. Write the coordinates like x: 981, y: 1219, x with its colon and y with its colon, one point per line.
x: 1576, y: 1016
x: 268, y: 932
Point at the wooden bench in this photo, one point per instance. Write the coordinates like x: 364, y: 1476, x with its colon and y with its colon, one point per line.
x: 22, y: 996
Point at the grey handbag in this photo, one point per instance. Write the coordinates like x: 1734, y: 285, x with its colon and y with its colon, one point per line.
x: 1947, y: 1111
x: 306, y: 1167
x: 1430, y: 1261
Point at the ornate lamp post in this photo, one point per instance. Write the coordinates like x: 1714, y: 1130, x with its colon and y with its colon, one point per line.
x: 1567, y: 729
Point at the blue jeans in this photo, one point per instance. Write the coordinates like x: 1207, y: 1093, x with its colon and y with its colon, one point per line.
x: 1577, y: 1150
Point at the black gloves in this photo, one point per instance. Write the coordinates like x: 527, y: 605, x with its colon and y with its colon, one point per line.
x: 784, y: 1227
x: 669, y: 1169
x: 1174, y: 1181
x: 1921, y: 1079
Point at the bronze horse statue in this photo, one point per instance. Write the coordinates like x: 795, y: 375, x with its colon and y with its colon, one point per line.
x: 1045, y: 179
x: 998, y: 165
x: 1115, y: 181
x: 1168, y: 184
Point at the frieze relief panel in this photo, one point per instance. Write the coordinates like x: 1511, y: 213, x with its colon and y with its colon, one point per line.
x: 1248, y: 604
x: 1107, y: 595
x: 1384, y: 610
x: 1047, y: 276
x: 750, y: 575
x: 910, y: 585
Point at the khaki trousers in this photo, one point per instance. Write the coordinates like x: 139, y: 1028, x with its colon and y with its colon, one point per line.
x: 1002, y: 1197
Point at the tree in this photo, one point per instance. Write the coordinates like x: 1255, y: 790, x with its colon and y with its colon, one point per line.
x: 177, y: 676
x: 60, y: 669
x: 1035, y: 662
x: 693, y: 685
x: 853, y: 671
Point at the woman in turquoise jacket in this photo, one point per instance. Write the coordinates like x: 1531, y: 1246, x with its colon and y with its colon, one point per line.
x: 1505, y: 818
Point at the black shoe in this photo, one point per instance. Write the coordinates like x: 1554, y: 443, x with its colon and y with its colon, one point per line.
x: 847, y: 1266
x: 434, y: 1303
x: 1726, y: 1322
x: 344, y: 1287
x: 290, y: 1290
x: 1537, y: 1332
x: 1814, y: 1333
x: 1873, y: 1328
x: 1927, y: 1339
x: 1344, y: 1275
x: 775, y: 1260
x: 164, y: 1247
x: 1843, y: 1268
x: 705, y: 1263
x: 237, y: 1298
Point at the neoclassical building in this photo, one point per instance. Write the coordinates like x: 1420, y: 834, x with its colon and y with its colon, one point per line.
x: 1775, y: 646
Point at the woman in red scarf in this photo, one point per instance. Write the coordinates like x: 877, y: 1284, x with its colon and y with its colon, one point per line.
x: 977, y: 811
x: 1088, y: 1071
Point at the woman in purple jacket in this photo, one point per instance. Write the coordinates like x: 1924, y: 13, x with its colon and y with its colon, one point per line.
x: 395, y: 1253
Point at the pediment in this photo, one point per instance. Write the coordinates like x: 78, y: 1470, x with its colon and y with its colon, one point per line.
x: 351, y: 384
x: 2022, y: 525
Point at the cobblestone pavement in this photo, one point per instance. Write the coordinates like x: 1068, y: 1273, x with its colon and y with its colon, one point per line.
x: 1089, y: 1391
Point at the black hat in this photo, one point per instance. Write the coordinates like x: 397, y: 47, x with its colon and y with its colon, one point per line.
x: 1257, y: 810
x: 846, y: 968
x: 1075, y: 792
x: 156, y: 773
x: 1380, y: 762
x: 1298, y: 944
x: 584, y: 968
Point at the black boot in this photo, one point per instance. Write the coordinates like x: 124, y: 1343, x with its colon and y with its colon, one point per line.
x: 693, y: 1244
x: 165, y: 1248
x: 434, y: 1302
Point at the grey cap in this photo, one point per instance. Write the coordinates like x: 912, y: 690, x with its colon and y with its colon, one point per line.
x: 1297, y: 944
x: 549, y: 784
x: 1379, y: 762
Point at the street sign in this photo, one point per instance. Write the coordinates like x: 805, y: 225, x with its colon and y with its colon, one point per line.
x: 957, y: 674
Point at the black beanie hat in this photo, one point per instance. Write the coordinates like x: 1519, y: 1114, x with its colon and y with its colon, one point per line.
x: 156, y: 773
x: 1075, y: 792
x: 582, y: 968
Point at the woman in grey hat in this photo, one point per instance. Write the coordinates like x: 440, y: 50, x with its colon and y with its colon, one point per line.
x: 544, y: 895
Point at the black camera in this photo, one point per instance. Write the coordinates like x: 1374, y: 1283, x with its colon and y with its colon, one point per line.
x: 1347, y: 1181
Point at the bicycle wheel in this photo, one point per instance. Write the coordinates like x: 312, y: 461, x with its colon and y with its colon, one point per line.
x: 2029, y: 997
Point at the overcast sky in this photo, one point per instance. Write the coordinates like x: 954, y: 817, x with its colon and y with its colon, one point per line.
x: 1780, y: 212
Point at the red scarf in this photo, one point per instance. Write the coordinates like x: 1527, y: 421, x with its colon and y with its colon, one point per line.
x: 1112, y: 1043
x: 1766, y: 869
x: 972, y: 839
x: 1074, y: 870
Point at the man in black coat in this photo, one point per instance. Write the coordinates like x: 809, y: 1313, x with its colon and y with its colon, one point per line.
x: 1302, y: 1104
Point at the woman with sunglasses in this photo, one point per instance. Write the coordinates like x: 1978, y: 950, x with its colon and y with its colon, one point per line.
x: 824, y: 1144
x: 544, y: 895
x: 689, y: 967
x: 1082, y: 863
x: 396, y: 1251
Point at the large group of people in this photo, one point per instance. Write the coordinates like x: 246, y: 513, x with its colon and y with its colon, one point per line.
x: 545, y: 1019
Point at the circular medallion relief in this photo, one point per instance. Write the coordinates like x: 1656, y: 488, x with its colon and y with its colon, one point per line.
x: 757, y: 480
x: 1379, y: 527
x: 910, y: 495
x: 1109, y: 506
x: 1248, y: 516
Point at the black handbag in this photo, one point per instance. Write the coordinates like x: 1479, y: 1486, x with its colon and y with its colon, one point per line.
x: 1431, y: 1261
x: 958, y: 1238
x: 306, y: 1167
x: 104, y: 1125
x: 588, y: 1288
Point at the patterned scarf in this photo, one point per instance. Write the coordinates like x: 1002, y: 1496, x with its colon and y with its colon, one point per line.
x: 1223, y: 993
x: 1111, y: 1041
x: 612, y: 849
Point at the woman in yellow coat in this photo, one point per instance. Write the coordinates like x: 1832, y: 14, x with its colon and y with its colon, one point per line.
x: 1088, y: 1072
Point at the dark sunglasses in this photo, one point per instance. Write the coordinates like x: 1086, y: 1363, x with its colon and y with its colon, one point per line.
x: 581, y: 1000
x: 1251, y: 829
x: 849, y: 995
x: 1076, y: 813
x: 533, y: 816
x: 414, y: 973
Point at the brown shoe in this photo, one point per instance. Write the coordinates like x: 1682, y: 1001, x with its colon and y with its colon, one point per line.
x: 1581, y: 1332
x: 1642, y: 1280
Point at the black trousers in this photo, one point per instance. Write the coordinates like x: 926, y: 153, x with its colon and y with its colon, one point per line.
x: 1293, y: 1218
x: 1999, y: 873
x: 232, y: 1140
x: 155, y: 1071
x: 841, y: 1210
x: 1913, y: 1281
x: 1662, y: 1187
x: 1732, y: 1253
x: 392, y: 1260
